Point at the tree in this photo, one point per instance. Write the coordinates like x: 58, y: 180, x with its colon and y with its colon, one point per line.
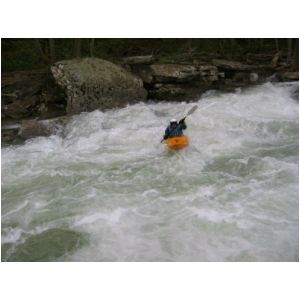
x: 296, y: 55
x: 41, y: 51
x: 77, y: 48
x: 52, y: 49
x: 277, y: 45
x: 92, y: 47
x: 262, y: 43
x: 289, y: 54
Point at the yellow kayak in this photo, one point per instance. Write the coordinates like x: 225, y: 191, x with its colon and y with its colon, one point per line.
x: 178, y: 142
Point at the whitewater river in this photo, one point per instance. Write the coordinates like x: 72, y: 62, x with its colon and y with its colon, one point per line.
x: 105, y: 189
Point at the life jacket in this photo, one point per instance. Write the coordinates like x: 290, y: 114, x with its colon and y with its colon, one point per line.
x: 174, y: 131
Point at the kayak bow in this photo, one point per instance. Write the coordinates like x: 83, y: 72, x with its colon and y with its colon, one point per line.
x: 178, y: 142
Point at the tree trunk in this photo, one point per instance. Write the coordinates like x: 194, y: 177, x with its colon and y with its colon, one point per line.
x: 232, y: 44
x: 276, y: 45
x: 296, y: 55
x: 276, y: 59
x: 40, y: 51
x: 92, y: 47
x: 289, y: 54
x: 249, y: 43
x: 77, y: 48
x: 221, y: 46
x: 52, y: 49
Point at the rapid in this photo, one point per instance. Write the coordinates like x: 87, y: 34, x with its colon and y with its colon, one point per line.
x: 105, y: 189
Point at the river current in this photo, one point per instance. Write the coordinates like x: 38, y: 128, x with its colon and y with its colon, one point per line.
x: 105, y: 189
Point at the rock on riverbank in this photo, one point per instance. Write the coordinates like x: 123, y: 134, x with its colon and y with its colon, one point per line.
x: 93, y: 83
x: 30, y: 94
x: 86, y: 84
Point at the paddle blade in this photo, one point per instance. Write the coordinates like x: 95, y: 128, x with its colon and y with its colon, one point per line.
x: 192, y: 110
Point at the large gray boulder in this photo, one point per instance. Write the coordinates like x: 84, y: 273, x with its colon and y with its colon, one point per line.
x: 93, y: 83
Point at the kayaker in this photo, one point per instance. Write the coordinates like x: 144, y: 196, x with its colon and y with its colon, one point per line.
x: 175, y: 129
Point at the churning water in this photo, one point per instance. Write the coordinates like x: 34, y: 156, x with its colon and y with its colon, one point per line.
x: 107, y: 190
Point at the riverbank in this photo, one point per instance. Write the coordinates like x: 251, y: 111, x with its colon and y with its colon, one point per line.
x: 74, y: 86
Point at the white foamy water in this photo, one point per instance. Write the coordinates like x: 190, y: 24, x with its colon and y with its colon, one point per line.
x: 231, y: 196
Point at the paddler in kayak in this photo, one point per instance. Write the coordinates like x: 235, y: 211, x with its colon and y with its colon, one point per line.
x: 175, y: 129
x: 175, y: 139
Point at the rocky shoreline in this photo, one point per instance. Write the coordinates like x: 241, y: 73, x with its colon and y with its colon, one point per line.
x: 36, y: 103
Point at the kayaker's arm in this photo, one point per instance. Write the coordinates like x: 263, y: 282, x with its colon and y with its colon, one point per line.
x: 182, y: 123
x: 166, y: 135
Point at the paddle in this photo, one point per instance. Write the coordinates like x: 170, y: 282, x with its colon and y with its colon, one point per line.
x: 187, y: 114
x: 191, y: 111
